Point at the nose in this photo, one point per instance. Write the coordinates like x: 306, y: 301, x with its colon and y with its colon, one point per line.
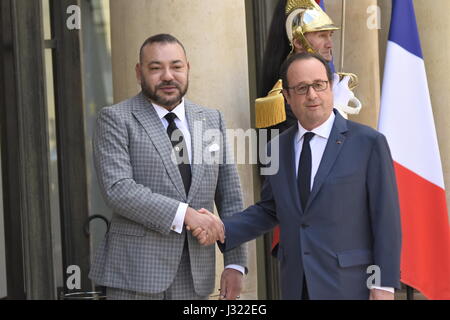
x: 167, y: 75
x: 329, y: 42
x: 311, y: 94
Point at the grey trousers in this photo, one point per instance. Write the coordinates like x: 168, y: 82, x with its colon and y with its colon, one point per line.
x: 182, y: 287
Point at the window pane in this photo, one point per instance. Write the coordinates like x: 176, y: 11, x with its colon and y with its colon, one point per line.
x: 46, y: 19
x: 53, y: 152
x: 98, y: 92
x: 2, y: 242
x: 53, y: 172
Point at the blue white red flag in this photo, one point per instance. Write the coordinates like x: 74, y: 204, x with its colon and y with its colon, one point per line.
x: 406, y: 118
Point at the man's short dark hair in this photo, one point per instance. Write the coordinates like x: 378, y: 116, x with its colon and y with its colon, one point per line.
x: 160, y: 38
x: 303, y: 56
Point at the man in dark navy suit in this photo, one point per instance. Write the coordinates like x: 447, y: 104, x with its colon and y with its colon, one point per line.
x: 334, y: 197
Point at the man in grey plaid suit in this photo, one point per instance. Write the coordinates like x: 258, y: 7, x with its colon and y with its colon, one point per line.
x: 148, y: 252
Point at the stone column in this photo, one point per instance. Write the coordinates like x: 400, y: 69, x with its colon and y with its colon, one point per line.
x: 214, y: 35
x: 434, y: 31
x: 360, y: 54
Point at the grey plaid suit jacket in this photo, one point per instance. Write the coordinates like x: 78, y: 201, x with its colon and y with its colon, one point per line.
x: 143, y: 187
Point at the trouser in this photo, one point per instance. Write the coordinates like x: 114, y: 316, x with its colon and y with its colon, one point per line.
x: 182, y: 287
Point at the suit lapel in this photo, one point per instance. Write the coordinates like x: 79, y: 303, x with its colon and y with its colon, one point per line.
x: 333, y: 148
x: 194, y: 117
x: 148, y: 118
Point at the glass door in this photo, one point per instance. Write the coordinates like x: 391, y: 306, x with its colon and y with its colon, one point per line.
x: 3, y: 284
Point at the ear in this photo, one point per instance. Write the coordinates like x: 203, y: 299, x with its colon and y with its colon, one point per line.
x: 138, y: 72
x: 286, y: 95
x: 298, y: 48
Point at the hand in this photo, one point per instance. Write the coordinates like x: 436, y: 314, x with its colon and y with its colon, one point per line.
x: 203, y: 236
x: 211, y: 226
x: 343, y: 96
x: 230, y: 284
x: 377, y: 294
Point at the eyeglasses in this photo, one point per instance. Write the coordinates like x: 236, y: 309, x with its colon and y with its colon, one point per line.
x: 303, y: 88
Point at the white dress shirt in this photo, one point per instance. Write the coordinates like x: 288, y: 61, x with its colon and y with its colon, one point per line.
x: 318, y: 144
x: 182, y: 124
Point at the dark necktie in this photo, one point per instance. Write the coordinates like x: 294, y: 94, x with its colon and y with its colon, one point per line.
x: 180, y: 149
x: 304, y: 170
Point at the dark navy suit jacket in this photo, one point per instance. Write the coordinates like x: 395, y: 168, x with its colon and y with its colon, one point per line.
x: 351, y: 220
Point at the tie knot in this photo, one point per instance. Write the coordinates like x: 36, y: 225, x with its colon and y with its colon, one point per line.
x: 307, y: 137
x: 170, y: 117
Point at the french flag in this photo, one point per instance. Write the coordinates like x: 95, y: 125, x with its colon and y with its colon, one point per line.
x: 322, y: 4
x: 406, y: 118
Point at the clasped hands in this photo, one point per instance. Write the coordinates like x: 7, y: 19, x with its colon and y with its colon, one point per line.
x: 205, y: 226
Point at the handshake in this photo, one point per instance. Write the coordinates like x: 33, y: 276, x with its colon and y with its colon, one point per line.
x: 205, y: 226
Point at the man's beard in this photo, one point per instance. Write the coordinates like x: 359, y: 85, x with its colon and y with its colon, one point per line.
x: 160, y: 100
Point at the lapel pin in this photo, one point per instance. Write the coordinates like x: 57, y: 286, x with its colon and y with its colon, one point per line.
x: 339, y: 141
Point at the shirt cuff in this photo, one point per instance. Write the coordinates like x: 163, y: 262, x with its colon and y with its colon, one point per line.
x: 389, y: 289
x: 178, y: 221
x: 236, y: 267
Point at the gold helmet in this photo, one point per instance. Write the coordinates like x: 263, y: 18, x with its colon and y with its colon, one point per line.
x: 303, y: 16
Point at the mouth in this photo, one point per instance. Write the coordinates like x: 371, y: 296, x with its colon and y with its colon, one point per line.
x: 168, y: 89
x: 327, y: 54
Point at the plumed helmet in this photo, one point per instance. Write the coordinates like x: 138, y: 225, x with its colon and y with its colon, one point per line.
x: 303, y: 16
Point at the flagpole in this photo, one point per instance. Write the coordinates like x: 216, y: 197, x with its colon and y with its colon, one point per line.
x: 409, y: 293
x: 341, y: 64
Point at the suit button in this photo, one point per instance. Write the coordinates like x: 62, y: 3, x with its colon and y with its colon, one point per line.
x: 307, y: 253
x: 304, y: 225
